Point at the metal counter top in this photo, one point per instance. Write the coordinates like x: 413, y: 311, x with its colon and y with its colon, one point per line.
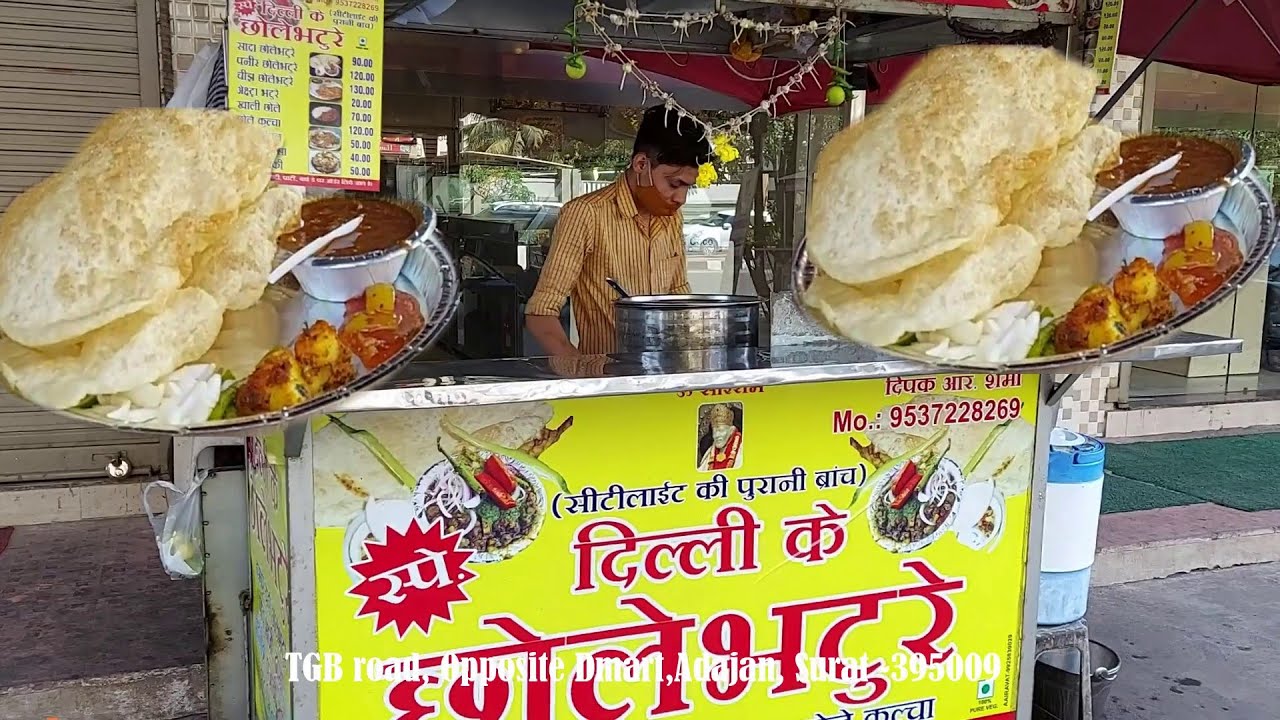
x: 494, y: 382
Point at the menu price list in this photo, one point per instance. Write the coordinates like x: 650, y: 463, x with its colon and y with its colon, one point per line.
x: 1100, y: 36
x: 327, y: 111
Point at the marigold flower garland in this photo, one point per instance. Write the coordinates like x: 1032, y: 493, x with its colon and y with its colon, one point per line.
x: 725, y: 153
x: 596, y: 14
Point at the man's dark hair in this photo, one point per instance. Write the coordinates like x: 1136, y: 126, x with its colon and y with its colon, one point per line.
x: 669, y: 139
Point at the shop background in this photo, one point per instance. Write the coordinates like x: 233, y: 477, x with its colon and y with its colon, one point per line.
x: 1097, y: 403
x: 1195, y: 103
x: 192, y: 24
x: 1084, y: 409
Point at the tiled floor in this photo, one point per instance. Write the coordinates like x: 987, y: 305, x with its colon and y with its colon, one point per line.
x: 88, y: 599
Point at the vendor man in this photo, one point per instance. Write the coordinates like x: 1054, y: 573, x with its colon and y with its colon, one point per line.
x: 630, y: 231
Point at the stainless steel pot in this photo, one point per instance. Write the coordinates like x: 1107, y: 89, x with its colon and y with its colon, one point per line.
x: 664, y: 323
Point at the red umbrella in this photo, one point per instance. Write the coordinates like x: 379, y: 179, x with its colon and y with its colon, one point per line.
x: 1239, y: 39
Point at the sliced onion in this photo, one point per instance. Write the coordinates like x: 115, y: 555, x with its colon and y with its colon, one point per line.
x: 940, y: 349
x: 965, y: 333
x: 146, y: 395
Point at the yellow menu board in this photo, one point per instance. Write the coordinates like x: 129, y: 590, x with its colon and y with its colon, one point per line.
x: 843, y: 550
x: 312, y: 72
x: 1101, y: 36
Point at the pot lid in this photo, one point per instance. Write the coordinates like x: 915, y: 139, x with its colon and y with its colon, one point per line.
x: 686, y: 302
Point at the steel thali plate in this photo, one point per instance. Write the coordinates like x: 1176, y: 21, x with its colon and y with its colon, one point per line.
x: 429, y: 274
x: 1247, y: 211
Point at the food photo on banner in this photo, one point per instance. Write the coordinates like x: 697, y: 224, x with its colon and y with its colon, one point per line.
x: 860, y: 557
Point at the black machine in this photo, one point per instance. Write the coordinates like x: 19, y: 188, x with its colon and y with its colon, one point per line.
x: 495, y: 288
x: 494, y: 241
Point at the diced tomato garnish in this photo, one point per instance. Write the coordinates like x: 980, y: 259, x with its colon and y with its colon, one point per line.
x: 496, y: 491
x: 1196, y: 275
x: 501, y: 471
x: 379, y: 337
x: 904, y: 479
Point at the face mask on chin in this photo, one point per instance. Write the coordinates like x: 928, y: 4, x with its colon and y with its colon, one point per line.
x: 649, y: 200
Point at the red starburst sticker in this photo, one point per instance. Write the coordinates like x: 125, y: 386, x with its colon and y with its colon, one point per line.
x: 412, y: 578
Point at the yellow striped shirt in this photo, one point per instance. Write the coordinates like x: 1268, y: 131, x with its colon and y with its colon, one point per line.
x: 601, y: 235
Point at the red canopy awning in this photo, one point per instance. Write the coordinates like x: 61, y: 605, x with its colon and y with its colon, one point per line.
x: 1239, y: 39
x: 750, y: 83
x: 726, y: 76
x: 889, y: 73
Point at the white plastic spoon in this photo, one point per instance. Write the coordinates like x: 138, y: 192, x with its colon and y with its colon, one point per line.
x: 1131, y: 185
x: 312, y: 248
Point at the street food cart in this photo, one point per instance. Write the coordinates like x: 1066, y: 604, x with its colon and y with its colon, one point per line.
x: 837, y: 531
x: 834, y: 531
x: 698, y: 542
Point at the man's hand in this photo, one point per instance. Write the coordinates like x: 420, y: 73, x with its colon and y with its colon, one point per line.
x: 579, y: 366
x: 550, y: 335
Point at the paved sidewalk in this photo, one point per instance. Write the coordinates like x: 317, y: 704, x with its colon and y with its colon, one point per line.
x: 1201, y: 645
x: 1146, y: 544
x: 85, y: 605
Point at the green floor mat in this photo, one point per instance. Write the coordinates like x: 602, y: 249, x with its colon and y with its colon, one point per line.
x: 1237, y: 472
x: 1122, y: 494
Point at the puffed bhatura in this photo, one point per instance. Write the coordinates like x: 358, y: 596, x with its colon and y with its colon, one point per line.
x: 937, y: 207
x: 118, y: 270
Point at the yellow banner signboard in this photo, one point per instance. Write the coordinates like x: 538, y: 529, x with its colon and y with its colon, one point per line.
x: 269, y: 562
x: 312, y: 72
x: 851, y: 550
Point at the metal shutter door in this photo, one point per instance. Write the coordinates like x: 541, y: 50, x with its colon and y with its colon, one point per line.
x: 65, y: 65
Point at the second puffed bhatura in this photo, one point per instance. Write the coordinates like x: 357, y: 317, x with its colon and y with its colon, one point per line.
x: 940, y: 293
x: 938, y: 206
x: 125, y: 354
x: 235, y: 270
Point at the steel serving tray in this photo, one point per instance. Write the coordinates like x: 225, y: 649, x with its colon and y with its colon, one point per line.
x: 1247, y: 211
x: 428, y: 272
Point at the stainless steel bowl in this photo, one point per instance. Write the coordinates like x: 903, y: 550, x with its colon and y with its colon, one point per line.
x: 664, y: 323
x: 1160, y: 215
x: 338, y: 279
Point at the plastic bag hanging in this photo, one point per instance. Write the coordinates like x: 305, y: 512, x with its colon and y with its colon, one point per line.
x: 180, y: 531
